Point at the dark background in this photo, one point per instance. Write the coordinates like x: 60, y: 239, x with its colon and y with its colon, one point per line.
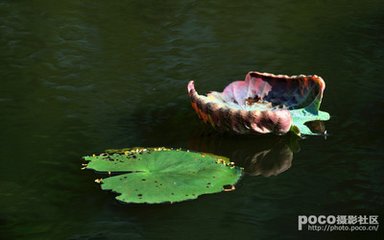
x: 78, y: 77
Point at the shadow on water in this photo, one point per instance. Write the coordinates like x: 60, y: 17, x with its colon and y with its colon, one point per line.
x: 258, y: 155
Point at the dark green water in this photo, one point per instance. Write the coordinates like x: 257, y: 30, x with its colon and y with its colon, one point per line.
x: 77, y: 77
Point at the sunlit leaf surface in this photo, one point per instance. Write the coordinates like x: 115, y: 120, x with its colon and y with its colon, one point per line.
x: 157, y: 175
x: 263, y: 103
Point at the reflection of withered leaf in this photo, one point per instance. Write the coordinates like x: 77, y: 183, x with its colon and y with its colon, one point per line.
x: 266, y: 156
x: 316, y: 126
x: 270, y: 162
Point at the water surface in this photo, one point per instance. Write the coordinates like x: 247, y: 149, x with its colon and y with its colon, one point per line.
x: 78, y: 77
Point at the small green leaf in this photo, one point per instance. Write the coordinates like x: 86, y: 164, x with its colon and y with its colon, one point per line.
x: 307, y: 114
x: 157, y: 175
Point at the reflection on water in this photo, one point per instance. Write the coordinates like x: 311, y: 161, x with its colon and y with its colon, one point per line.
x: 317, y: 127
x: 258, y: 155
x: 271, y: 162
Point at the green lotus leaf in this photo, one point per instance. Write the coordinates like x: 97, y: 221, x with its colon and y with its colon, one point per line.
x: 158, y: 175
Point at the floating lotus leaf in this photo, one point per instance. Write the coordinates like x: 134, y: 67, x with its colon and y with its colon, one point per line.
x: 157, y: 175
x: 263, y: 103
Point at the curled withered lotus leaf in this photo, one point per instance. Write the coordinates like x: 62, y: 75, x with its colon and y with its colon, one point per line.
x: 263, y: 103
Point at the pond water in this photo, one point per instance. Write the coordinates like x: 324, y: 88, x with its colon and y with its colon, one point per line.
x: 78, y: 77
